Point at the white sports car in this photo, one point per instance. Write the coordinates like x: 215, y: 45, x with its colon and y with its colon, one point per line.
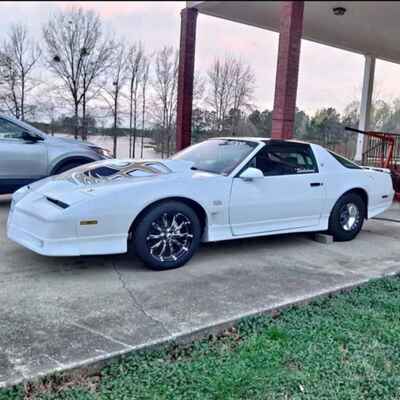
x: 223, y: 188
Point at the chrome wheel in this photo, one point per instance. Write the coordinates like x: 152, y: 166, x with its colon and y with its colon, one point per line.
x: 349, y: 217
x: 170, y: 237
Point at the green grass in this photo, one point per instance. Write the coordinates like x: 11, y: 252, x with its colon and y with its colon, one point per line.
x: 345, y: 347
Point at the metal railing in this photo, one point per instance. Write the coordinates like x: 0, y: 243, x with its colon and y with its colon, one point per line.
x: 382, y: 150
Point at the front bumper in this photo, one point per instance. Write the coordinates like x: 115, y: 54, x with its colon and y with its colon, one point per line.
x: 46, y: 238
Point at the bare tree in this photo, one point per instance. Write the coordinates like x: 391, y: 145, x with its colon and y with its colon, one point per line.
x: 199, y: 88
x: 145, y: 79
x: 78, y: 52
x: 94, y: 67
x: 231, y: 85
x: 220, y: 86
x: 18, y: 57
x: 9, y: 84
x: 50, y: 105
x: 134, y: 66
x: 243, y: 81
x: 113, y: 92
x: 165, y: 88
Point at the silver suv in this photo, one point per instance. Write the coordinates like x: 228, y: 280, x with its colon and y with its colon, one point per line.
x: 27, y: 154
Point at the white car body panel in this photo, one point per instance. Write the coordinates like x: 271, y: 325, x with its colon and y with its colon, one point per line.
x: 275, y: 203
x: 234, y: 208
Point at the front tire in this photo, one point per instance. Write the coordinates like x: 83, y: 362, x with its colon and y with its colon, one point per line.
x: 167, y: 235
x: 347, y: 217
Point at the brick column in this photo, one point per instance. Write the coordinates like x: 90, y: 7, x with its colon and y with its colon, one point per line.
x: 185, y: 78
x: 291, y: 29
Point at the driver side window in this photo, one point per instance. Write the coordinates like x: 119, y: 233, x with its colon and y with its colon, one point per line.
x: 290, y: 159
x: 9, y: 131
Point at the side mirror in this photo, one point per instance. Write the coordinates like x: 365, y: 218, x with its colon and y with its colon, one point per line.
x: 251, y: 173
x: 27, y: 137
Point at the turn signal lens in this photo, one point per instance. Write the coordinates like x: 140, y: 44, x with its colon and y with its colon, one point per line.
x: 89, y: 222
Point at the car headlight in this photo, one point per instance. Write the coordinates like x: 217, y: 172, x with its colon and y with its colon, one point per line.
x: 102, y: 152
x: 21, y: 192
x: 18, y: 195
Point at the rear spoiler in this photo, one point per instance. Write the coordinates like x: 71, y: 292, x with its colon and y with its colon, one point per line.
x: 370, y: 133
x: 385, y: 170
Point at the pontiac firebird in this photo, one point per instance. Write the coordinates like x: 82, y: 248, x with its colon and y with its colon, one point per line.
x: 222, y: 188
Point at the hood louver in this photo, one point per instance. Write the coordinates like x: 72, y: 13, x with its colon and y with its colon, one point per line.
x: 57, y: 202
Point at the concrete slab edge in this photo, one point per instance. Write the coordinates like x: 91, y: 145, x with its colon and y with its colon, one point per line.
x: 95, y: 364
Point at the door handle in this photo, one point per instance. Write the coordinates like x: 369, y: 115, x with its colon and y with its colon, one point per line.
x: 314, y: 184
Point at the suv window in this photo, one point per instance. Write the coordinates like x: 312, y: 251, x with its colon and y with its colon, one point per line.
x: 10, y: 131
x: 344, y: 161
x: 285, y: 160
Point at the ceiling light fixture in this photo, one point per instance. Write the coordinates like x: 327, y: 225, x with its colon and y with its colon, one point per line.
x: 339, y: 10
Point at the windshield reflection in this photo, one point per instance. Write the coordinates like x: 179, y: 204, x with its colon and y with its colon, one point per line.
x: 218, y: 156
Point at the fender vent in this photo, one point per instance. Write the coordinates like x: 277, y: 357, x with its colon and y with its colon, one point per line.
x: 57, y: 202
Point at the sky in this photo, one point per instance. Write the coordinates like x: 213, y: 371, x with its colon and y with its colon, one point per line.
x: 328, y: 76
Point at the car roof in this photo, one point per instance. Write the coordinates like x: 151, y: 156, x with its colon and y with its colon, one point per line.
x: 262, y: 140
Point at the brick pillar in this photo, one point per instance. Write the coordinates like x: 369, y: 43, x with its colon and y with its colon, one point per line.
x: 185, y: 78
x: 291, y: 28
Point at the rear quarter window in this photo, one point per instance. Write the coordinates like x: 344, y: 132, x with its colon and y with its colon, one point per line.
x: 344, y: 161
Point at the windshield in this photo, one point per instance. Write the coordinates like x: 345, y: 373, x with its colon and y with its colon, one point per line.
x: 219, y: 156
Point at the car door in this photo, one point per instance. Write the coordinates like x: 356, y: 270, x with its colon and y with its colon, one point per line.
x: 21, y: 160
x: 289, y: 196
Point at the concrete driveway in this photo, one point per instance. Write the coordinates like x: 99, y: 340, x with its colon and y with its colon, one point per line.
x: 57, y: 313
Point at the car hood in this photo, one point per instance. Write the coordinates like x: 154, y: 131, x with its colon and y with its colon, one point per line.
x: 102, y: 177
x: 63, y: 140
x: 108, y: 172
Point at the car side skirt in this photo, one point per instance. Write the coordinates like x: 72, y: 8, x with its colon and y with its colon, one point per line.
x: 217, y: 234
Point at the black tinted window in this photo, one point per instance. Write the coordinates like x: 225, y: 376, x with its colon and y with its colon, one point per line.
x: 285, y: 160
x: 10, y: 131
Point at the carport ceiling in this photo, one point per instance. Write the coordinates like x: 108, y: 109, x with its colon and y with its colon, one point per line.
x: 366, y: 27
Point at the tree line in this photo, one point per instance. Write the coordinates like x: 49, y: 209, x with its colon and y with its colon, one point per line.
x: 83, y: 80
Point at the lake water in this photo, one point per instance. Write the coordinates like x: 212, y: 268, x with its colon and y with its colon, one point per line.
x: 122, y: 146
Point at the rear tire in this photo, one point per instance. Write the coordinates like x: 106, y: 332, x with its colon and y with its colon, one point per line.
x: 347, y: 217
x: 167, y: 235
